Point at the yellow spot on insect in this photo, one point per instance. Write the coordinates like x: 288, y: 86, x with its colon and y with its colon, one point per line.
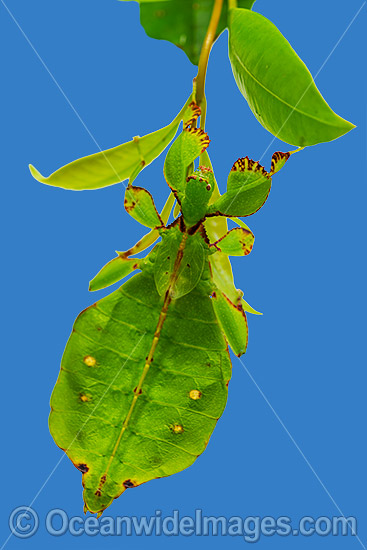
x: 195, y: 394
x: 90, y: 361
x: 84, y: 398
x: 177, y: 429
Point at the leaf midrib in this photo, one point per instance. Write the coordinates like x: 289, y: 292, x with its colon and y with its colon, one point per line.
x: 293, y: 108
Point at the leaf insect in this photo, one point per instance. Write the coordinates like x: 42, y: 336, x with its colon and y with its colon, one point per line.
x: 144, y: 375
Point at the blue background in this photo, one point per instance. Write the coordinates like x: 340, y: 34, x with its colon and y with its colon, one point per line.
x: 306, y: 272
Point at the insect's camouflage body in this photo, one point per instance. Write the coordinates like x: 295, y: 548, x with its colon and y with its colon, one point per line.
x: 177, y: 404
x: 145, y: 372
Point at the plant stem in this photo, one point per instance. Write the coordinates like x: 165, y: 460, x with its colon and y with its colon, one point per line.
x: 232, y: 4
x: 204, y: 57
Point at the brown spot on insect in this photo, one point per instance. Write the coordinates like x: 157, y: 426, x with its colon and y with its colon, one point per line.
x: 278, y: 160
x: 205, y: 169
x: 89, y: 360
x: 84, y: 398
x: 195, y: 394
x: 102, y: 481
x: 82, y: 468
x: 128, y: 484
x: 177, y: 429
x: 245, y: 163
x: 196, y: 111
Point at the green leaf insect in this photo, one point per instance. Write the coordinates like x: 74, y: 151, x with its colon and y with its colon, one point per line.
x: 145, y: 371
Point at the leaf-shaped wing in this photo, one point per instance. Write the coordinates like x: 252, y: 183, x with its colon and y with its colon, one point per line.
x: 117, y: 445
x: 140, y: 205
x: 277, y: 84
x: 191, y: 253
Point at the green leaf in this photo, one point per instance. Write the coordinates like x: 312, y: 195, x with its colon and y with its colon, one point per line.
x: 237, y: 242
x: 124, y: 419
x: 190, y: 268
x: 277, y: 84
x: 140, y: 205
x: 182, y: 22
x: 113, y: 271
x: 248, y: 188
x: 184, y: 150
x: 233, y: 321
x: 116, y: 164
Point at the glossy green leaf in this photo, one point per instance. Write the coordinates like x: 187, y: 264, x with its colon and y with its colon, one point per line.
x: 277, y: 84
x: 237, y: 242
x: 174, y: 243
x: 184, y: 150
x: 233, y: 321
x: 140, y: 205
x: 124, y: 418
x: 113, y: 271
x: 248, y: 188
x: 116, y: 164
x: 182, y: 22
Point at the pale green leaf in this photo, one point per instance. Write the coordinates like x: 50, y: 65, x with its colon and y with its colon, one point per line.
x: 113, y: 165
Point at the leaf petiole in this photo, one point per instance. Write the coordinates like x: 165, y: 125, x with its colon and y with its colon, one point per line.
x: 204, y: 56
